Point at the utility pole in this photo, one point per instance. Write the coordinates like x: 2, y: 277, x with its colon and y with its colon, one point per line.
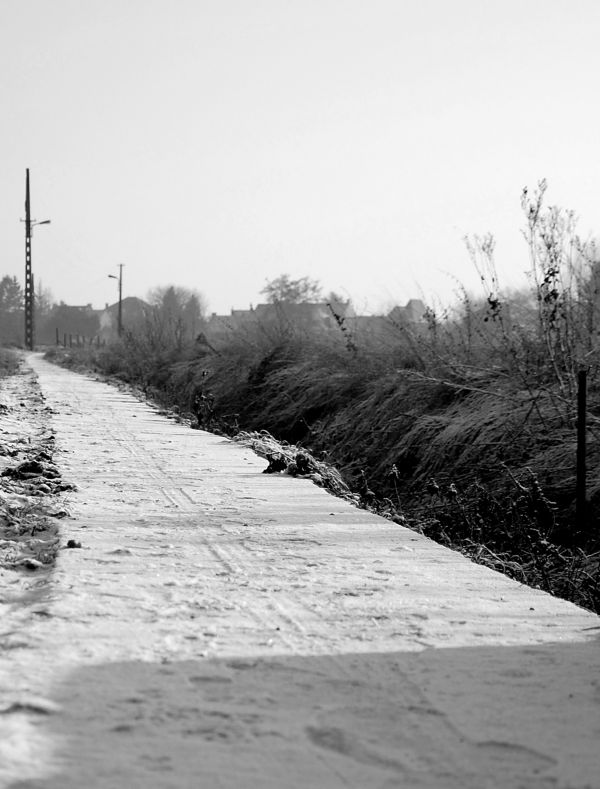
x: 29, y: 287
x: 120, y: 308
x: 120, y: 315
x: 29, y: 291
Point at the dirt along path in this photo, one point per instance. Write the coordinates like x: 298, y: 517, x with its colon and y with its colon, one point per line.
x: 223, y: 628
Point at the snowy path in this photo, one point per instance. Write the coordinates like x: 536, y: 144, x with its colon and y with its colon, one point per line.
x: 224, y: 628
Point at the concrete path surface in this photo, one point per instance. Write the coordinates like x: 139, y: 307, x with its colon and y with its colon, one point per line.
x: 224, y: 628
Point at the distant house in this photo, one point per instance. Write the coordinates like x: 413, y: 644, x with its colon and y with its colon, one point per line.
x: 133, y: 311
x: 411, y: 315
x: 281, y: 316
x: 413, y: 312
x: 67, y: 321
x: 319, y: 316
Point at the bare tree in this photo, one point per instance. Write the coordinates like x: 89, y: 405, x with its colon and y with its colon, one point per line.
x: 44, y: 301
x: 292, y: 291
x: 176, y: 314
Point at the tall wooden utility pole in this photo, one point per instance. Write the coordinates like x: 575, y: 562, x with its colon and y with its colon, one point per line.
x: 120, y: 313
x: 29, y: 288
x: 120, y: 317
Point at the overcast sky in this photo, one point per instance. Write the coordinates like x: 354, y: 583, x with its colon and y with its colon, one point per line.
x: 215, y: 145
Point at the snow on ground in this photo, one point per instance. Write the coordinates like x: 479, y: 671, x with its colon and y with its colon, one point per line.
x: 223, y: 628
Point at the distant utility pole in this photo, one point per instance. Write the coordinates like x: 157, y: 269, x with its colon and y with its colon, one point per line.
x: 120, y: 313
x: 29, y: 288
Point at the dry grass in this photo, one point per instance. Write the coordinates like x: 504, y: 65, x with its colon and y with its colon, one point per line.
x: 9, y: 362
x: 462, y: 426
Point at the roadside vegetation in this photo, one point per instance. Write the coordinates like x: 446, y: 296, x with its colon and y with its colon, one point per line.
x: 30, y: 484
x: 9, y: 362
x: 461, y: 426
